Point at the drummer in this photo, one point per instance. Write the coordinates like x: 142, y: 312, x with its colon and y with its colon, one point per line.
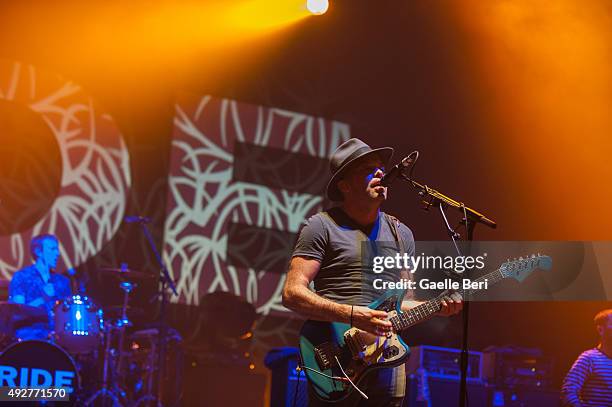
x: 37, y: 285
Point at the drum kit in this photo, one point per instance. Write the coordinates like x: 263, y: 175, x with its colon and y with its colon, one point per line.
x: 97, y: 354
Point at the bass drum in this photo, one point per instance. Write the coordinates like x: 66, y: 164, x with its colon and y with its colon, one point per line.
x: 39, y: 364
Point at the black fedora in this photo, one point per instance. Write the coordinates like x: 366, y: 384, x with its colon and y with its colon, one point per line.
x: 346, y: 154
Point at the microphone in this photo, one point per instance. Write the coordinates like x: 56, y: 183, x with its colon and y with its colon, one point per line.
x: 137, y: 219
x: 399, y: 169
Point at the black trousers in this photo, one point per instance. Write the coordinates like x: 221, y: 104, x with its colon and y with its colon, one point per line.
x: 384, y: 388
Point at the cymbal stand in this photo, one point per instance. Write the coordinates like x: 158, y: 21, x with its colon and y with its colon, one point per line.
x: 124, y: 322
x: 165, y: 283
x: 105, y: 391
x: 150, y: 397
x: 120, y: 325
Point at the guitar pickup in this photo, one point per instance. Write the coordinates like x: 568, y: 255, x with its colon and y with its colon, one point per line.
x: 324, y: 354
x: 390, y: 352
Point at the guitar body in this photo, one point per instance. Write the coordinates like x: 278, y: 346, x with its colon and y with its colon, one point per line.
x: 358, y: 352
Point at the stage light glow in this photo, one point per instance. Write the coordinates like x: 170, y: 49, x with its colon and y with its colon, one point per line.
x: 317, y: 7
x: 544, y: 69
x: 259, y: 16
x: 166, y: 34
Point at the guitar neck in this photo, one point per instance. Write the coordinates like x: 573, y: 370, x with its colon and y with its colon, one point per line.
x: 425, y: 310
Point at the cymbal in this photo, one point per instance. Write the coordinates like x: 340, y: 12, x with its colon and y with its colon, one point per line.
x: 125, y: 273
x: 19, y: 312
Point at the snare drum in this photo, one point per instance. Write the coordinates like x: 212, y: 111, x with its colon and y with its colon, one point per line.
x: 38, y: 364
x: 78, y: 323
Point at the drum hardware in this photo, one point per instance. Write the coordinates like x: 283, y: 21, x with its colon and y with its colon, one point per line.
x: 125, y: 273
x: 78, y: 323
x: 118, y: 326
x: 166, y: 283
x: 119, y: 369
x: 127, y: 288
x: 149, y: 364
x: 13, y: 316
x: 144, y: 347
x: 22, y: 312
x: 115, y: 311
x: 105, y: 390
x: 123, y: 322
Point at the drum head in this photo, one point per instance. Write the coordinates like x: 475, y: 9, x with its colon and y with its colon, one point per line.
x: 38, y: 363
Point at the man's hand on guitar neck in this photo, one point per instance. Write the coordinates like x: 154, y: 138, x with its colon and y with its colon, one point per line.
x: 375, y: 321
x: 451, y: 304
x: 371, y: 320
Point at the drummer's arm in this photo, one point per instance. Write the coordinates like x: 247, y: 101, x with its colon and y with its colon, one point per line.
x: 20, y: 299
x: 17, y: 291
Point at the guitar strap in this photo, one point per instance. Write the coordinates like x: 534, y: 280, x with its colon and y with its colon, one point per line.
x: 394, y: 223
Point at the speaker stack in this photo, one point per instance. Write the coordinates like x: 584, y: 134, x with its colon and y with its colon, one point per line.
x: 289, y: 385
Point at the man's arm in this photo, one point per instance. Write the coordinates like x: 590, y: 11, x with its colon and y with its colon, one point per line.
x: 20, y: 299
x: 573, y: 382
x: 17, y: 292
x: 298, y: 297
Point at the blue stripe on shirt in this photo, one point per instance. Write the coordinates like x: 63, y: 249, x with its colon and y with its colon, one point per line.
x: 589, y: 382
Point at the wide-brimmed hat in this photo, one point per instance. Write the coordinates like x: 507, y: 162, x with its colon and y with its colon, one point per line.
x: 346, y: 154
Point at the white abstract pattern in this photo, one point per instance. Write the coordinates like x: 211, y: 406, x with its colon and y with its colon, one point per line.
x: 203, y: 200
x: 95, y: 178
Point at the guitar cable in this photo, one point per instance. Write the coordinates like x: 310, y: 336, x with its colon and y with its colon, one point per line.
x: 338, y: 378
x: 342, y: 379
x: 300, y: 368
x: 297, y: 386
x: 349, y: 379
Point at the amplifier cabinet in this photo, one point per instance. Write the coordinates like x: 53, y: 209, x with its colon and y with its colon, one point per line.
x: 443, y: 363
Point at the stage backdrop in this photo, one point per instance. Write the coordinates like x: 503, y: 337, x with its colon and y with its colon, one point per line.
x: 64, y: 168
x: 242, y: 179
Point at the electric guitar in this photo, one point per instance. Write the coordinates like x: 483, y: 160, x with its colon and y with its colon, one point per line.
x: 336, y: 357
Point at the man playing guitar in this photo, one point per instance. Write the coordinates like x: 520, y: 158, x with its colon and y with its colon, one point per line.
x: 328, y: 253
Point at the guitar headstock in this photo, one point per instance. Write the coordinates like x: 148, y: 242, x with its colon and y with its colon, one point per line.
x: 521, y: 268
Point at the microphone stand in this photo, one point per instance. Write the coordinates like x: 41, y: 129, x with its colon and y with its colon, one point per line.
x: 164, y: 279
x: 471, y: 218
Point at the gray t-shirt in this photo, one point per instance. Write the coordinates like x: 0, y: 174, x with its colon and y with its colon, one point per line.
x: 345, y: 250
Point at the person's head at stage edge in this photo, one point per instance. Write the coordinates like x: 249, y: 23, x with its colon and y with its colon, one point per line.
x: 357, y: 170
x: 45, y: 251
x: 603, y: 325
